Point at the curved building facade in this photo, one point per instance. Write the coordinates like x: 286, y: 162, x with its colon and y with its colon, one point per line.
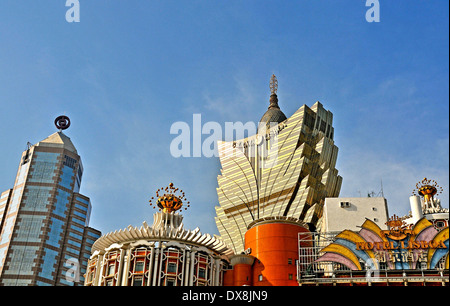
x: 164, y: 254
x: 274, y: 242
x: 271, y: 253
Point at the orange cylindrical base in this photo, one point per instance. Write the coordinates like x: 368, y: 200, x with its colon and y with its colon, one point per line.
x: 242, y: 275
x: 275, y: 246
x: 228, y: 276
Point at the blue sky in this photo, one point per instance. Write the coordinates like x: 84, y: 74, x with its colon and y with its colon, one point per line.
x: 130, y: 69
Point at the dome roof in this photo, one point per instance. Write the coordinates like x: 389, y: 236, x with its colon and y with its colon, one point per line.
x: 273, y: 113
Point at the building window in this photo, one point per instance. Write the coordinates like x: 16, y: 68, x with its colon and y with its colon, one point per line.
x: 139, y: 267
x: 260, y: 277
x: 201, y: 273
x: 111, y: 270
x: 26, y: 158
x: 69, y: 162
x: 289, y: 261
x: 138, y: 281
x: 170, y: 282
x: 171, y: 267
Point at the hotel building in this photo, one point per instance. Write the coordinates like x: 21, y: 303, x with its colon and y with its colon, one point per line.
x: 408, y: 251
x: 286, y: 170
x: 163, y: 254
x: 45, y: 238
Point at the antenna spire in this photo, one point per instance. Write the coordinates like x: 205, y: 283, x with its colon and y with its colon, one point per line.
x: 273, y: 85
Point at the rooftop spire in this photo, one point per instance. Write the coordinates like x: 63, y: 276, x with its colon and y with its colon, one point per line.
x: 273, y: 89
x: 273, y: 85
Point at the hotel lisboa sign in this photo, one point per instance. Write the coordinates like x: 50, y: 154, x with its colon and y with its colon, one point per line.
x: 401, y: 247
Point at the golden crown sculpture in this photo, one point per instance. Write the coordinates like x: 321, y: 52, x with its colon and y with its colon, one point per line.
x: 397, y: 228
x: 427, y: 188
x: 171, y: 200
x: 395, y: 222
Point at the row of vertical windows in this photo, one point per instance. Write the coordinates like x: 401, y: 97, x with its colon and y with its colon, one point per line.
x: 55, y: 234
x: 22, y: 174
x: 70, y: 162
x: 49, y: 263
x: 7, y: 229
x: 79, y: 174
x: 43, y: 172
x: 46, y: 157
x: 61, y: 205
x: 36, y: 198
x: 15, y: 200
x: 22, y: 260
x: 172, y: 266
x: 29, y: 228
x: 66, y: 177
x: 324, y: 127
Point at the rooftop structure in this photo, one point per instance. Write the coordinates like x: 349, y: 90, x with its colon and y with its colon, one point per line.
x: 349, y: 213
x: 424, y: 203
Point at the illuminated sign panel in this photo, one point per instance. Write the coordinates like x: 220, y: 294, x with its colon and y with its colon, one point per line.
x: 400, y: 247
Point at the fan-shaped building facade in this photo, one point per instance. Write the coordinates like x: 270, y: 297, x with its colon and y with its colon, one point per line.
x: 287, y: 169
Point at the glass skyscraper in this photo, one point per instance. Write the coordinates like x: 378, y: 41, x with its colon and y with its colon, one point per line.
x: 45, y: 238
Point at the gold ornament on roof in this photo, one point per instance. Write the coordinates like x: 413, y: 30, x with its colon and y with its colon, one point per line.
x: 397, y: 228
x: 427, y: 189
x: 169, y: 199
